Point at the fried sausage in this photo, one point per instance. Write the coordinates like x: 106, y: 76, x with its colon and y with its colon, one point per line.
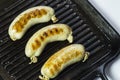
x: 61, y: 59
x: 26, y: 19
x: 55, y: 32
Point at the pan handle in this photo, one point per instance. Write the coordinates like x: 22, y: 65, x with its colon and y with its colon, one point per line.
x: 103, y: 76
x: 101, y: 71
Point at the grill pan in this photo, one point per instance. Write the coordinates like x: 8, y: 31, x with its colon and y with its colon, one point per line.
x: 89, y: 28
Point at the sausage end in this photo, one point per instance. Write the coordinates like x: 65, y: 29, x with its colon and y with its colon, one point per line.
x: 54, y: 19
x: 43, y: 78
x: 33, y: 60
x: 86, y: 56
x: 70, y: 38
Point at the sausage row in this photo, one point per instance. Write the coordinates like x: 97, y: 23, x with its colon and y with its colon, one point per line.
x: 36, y: 44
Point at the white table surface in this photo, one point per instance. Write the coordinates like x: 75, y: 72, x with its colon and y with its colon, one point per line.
x: 110, y: 9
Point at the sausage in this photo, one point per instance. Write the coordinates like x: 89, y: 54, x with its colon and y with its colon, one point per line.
x: 61, y: 59
x: 26, y: 19
x: 50, y: 33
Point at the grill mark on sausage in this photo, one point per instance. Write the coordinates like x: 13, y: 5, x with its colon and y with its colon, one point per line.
x: 26, y: 17
x: 77, y: 53
x: 42, y: 38
x: 65, y: 59
x: 56, y: 30
x: 57, y: 64
x: 23, y: 21
x: 17, y: 27
x: 61, y: 30
x: 36, y: 44
x: 33, y: 46
x: 43, y: 12
x: 51, y: 32
x: 45, y: 34
x: 32, y: 14
x: 52, y: 71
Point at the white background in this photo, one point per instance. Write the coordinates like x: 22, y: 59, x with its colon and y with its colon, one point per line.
x: 110, y: 9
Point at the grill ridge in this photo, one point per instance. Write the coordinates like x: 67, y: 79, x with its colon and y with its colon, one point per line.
x: 12, y: 56
x: 6, y: 10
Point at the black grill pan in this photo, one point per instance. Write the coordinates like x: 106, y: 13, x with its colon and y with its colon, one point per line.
x: 89, y: 28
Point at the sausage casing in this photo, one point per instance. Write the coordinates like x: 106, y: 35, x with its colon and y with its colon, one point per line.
x: 26, y: 19
x: 61, y: 59
x: 55, y: 32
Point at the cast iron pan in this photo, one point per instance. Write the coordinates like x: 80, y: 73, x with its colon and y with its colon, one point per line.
x: 89, y: 28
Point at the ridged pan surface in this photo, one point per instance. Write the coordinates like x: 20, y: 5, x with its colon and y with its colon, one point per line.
x: 12, y: 55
